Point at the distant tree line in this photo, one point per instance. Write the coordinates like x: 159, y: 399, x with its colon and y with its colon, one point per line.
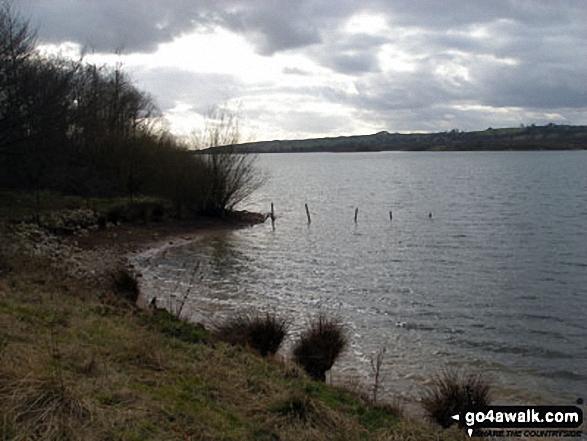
x: 78, y: 128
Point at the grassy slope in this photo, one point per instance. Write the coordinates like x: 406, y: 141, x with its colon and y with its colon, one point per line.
x: 78, y: 362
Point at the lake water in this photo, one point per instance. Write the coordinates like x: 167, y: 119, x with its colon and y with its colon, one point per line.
x: 494, y: 281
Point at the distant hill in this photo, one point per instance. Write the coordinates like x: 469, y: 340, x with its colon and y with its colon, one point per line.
x: 549, y: 137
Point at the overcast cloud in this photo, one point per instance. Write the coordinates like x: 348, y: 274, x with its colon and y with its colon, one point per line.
x: 326, y: 68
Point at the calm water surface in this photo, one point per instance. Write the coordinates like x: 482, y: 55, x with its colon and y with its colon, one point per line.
x: 495, y: 280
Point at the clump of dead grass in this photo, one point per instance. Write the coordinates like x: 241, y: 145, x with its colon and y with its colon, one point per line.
x: 320, y: 345
x: 125, y: 285
x: 261, y: 332
x: 41, y: 407
x: 451, y: 391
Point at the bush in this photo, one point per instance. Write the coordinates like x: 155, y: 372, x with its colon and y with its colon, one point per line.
x: 262, y: 332
x: 125, y: 285
x: 451, y: 391
x: 320, y: 345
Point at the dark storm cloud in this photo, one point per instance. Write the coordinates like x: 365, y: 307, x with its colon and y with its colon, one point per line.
x: 140, y: 25
x: 275, y: 27
x: 109, y: 25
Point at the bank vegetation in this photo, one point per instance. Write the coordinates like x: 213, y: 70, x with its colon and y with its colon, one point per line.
x: 83, y: 129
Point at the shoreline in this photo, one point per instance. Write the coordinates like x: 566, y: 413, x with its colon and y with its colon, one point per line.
x: 348, y: 372
x: 506, y: 390
x: 122, y: 245
x: 140, y: 244
x: 140, y: 260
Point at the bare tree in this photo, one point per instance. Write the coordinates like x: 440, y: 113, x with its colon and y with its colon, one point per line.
x: 34, y: 106
x: 230, y: 177
x: 17, y: 47
x: 221, y: 128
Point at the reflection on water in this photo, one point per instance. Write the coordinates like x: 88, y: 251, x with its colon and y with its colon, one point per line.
x: 225, y: 257
x: 494, y: 280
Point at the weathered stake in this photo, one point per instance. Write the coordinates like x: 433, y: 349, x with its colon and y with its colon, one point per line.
x: 390, y: 215
x: 308, y: 214
x: 356, y: 214
x: 272, y: 216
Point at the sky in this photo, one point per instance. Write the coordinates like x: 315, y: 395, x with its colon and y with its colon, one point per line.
x: 308, y: 68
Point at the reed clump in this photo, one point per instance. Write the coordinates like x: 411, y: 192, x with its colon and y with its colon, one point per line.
x: 320, y: 345
x: 451, y: 391
x: 125, y: 285
x: 261, y: 332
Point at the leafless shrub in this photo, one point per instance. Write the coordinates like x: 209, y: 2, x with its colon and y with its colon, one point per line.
x: 229, y: 177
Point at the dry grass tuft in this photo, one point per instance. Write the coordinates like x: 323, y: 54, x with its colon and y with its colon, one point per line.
x: 125, y: 285
x: 43, y: 408
x: 320, y: 345
x: 453, y: 390
x: 299, y: 407
x: 261, y: 332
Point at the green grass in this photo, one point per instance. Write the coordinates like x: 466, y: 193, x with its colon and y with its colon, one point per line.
x: 166, y: 323
x: 22, y: 205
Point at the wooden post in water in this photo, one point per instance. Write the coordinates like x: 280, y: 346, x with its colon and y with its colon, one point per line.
x: 272, y: 215
x: 390, y: 215
x: 356, y: 214
x: 308, y: 214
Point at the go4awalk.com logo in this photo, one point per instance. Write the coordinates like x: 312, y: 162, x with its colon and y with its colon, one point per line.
x: 521, y: 421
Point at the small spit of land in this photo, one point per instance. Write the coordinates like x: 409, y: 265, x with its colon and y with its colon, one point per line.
x: 78, y: 359
x: 549, y: 137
